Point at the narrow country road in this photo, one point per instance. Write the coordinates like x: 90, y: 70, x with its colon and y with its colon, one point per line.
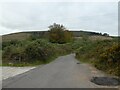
x: 64, y: 72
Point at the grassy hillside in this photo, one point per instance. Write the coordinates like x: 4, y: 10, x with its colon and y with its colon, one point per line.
x: 44, y: 34
x: 15, y: 36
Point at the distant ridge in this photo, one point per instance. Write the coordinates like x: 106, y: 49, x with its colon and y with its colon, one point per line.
x: 42, y: 34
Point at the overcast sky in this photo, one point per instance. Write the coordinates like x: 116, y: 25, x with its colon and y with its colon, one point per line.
x: 90, y: 16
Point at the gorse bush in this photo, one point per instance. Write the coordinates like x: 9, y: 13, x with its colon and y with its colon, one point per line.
x: 105, y: 55
x: 38, y: 50
x: 110, y: 60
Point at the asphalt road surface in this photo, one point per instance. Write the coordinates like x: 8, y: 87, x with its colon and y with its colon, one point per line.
x: 64, y: 72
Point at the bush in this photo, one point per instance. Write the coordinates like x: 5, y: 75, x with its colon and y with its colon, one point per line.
x: 39, y: 50
x: 11, y: 42
x: 105, y: 55
x: 27, y: 52
x: 59, y: 34
x: 110, y: 60
x: 13, y: 54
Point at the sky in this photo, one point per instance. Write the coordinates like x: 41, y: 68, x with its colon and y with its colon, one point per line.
x: 37, y: 16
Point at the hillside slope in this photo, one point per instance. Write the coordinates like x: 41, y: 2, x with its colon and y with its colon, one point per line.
x: 44, y: 34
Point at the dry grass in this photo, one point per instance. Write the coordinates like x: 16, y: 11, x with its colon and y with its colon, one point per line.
x: 100, y: 38
x: 23, y: 35
x: 15, y: 36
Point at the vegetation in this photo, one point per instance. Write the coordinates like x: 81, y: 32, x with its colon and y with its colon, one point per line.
x: 101, y: 50
x: 16, y: 36
x: 44, y: 34
x: 59, y: 34
x: 31, y: 52
x: 105, y: 55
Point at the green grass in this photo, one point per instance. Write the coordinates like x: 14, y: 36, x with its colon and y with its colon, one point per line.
x: 84, y: 60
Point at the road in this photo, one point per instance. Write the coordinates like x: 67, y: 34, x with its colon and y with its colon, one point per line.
x: 64, y: 72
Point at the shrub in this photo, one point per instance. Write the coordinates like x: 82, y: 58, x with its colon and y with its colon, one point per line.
x: 39, y: 50
x: 13, y: 54
x: 59, y: 34
x: 110, y: 60
x: 11, y: 42
x: 105, y: 55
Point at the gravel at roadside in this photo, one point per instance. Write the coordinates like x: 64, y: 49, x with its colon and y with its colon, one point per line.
x: 13, y: 71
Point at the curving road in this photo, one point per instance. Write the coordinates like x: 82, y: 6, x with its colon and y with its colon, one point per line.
x: 64, y: 72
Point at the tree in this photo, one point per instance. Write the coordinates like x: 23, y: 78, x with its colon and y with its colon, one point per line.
x: 59, y: 34
x: 105, y: 34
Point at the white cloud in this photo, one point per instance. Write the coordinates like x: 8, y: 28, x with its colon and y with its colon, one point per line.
x: 59, y: 0
x: 23, y: 16
x: 4, y: 30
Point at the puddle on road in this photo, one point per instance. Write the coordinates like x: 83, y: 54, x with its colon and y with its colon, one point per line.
x: 106, y: 81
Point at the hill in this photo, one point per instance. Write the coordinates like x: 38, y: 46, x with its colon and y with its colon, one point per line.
x: 44, y: 34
